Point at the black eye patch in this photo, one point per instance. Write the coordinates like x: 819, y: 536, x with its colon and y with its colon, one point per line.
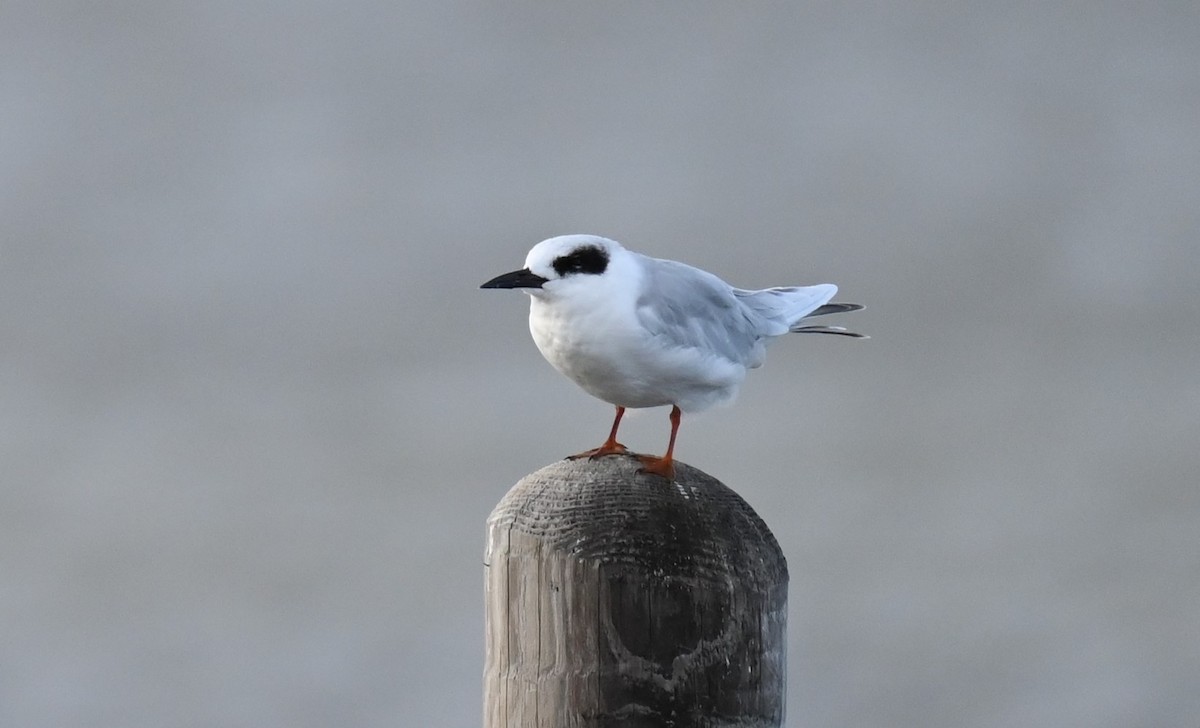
x: 590, y: 259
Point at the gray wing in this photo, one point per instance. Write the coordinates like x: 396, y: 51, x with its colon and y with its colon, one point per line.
x: 689, y: 308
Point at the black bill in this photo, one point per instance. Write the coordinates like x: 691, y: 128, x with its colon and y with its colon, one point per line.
x: 523, y: 278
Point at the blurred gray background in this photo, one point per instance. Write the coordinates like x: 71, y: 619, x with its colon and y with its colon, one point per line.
x: 255, y: 410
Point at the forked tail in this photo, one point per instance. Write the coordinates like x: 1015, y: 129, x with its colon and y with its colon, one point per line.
x: 836, y: 330
x: 788, y: 308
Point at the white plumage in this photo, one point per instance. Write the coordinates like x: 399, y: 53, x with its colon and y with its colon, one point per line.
x: 637, y: 331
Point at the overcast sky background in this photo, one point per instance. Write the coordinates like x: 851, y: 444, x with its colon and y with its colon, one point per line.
x: 255, y: 410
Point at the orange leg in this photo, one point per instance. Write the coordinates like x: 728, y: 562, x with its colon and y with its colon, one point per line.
x: 664, y: 466
x: 610, y: 446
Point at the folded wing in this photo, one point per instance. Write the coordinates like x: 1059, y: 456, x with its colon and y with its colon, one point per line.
x: 686, y: 307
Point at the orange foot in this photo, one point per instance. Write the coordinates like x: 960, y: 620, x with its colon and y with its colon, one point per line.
x: 608, y: 448
x: 663, y: 467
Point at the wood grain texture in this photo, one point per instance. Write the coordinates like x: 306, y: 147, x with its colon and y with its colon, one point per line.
x: 615, y: 598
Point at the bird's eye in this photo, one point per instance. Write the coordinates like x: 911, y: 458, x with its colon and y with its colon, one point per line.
x: 589, y: 259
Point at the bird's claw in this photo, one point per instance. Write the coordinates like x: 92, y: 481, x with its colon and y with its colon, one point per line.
x: 662, y: 467
x: 608, y: 448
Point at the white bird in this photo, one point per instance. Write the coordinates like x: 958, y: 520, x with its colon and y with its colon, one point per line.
x: 637, y: 331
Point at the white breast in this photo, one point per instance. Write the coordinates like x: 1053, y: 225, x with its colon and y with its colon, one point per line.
x: 606, y: 351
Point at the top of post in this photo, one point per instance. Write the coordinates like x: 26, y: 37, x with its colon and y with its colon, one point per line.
x: 605, y: 510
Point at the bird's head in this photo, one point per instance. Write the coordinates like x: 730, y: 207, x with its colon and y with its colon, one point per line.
x: 562, y: 264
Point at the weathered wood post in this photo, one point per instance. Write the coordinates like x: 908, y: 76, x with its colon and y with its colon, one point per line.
x: 615, y: 598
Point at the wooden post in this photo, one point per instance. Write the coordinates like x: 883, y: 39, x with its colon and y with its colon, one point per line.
x: 615, y: 598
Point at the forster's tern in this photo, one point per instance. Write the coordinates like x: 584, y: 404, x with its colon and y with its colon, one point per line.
x: 638, y: 332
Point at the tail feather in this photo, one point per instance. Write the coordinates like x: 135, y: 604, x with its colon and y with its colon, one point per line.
x: 785, y: 309
x: 837, y: 330
x: 835, y: 308
x: 827, y: 309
